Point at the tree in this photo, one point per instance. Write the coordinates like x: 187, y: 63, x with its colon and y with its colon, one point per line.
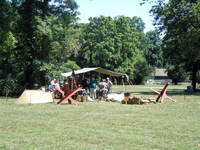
x: 116, y: 44
x: 177, y: 73
x: 154, y: 54
x: 8, y: 18
x: 179, y: 20
x: 34, y: 31
x: 98, y: 42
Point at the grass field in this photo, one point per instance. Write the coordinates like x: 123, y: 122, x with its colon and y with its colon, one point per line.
x: 104, y: 125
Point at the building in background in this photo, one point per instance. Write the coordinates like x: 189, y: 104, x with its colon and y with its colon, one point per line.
x: 159, y: 76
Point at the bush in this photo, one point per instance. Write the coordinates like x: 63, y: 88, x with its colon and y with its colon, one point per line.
x: 9, y: 85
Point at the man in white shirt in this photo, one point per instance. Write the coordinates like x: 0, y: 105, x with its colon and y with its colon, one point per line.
x: 53, y: 85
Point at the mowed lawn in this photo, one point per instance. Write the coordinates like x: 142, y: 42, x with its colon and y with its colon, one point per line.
x: 104, y: 125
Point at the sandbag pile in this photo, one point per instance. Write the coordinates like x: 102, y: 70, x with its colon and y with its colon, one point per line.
x: 82, y: 98
x: 137, y: 100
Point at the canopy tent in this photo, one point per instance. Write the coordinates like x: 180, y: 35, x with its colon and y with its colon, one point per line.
x: 97, y: 69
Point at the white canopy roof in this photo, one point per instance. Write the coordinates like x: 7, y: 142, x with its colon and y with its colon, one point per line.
x: 97, y: 69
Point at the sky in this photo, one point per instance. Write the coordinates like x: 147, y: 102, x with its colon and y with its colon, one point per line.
x: 113, y: 8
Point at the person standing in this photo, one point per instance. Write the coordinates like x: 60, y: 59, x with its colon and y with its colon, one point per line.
x: 56, y: 92
x: 102, y: 87
x: 109, y: 83
x: 93, y: 84
x: 52, y: 87
x: 53, y: 82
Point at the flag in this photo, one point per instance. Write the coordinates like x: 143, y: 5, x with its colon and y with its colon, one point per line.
x: 73, y: 73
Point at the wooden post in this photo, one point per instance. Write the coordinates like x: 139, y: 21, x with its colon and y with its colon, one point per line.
x: 184, y: 95
x: 6, y: 96
x: 99, y: 78
x: 110, y: 78
x: 123, y: 85
x: 30, y: 100
x: 72, y: 84
x: 115, y: 82
x: 75, y: 83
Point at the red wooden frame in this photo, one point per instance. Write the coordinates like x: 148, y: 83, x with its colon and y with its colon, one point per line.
x: 162, y: 94
x: 68, y: 94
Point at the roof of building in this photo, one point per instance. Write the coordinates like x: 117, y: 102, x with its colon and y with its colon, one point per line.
x: 161, y: 72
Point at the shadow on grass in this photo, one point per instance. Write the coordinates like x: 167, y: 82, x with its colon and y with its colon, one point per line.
x: 67, y: 104
x: 172, y: 92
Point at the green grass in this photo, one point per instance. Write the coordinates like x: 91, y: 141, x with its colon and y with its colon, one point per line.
x: 93, y: 125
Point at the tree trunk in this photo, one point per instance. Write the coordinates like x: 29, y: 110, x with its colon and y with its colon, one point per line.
x: 43, y: 56
x: 194, y: 75
x: 30, y: 6
x: 44, y: 42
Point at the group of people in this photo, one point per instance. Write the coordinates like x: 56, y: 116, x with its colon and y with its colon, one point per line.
x: 103, y: 85
x: 104, y: 88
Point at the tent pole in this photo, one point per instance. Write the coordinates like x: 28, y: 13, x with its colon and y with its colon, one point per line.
x: 75, y: 83
x: 123, y: 84
x: 30, y: 100
x: 99, y: 75
x: 115, y: 81
x: 125, y: 87
x: 6, y: 96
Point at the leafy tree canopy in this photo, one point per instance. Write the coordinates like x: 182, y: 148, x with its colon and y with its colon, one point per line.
x: 179, y: 21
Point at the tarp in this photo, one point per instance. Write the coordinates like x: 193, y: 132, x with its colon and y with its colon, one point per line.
x: 97, y: 69
x: 116, y: 97
x: 35, y: 96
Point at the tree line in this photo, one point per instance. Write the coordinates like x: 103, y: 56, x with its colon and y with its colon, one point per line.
x: 42, y: 39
